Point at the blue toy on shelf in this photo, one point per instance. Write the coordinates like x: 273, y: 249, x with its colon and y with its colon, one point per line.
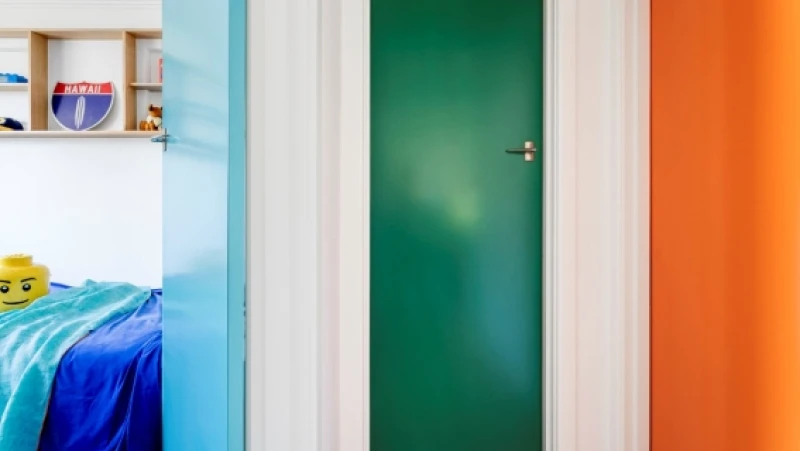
x: 10, y: 125
x: 12, y: 78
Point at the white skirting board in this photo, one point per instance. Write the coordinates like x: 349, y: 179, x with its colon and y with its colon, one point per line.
x: 308, y: 300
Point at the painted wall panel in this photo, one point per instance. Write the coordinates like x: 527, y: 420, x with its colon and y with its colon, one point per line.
x: 726, y: 225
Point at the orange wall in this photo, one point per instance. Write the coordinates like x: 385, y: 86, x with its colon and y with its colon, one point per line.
x: 726, y: 225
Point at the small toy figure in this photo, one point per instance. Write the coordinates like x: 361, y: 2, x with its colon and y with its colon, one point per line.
x: 154, y: 118
x: 12, y: 78
x: 21, y: 282
x: 10, y: 125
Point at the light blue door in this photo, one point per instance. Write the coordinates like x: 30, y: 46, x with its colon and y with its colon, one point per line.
x: 204, y: 224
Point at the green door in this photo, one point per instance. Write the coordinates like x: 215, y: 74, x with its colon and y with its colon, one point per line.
x: 456, y: 225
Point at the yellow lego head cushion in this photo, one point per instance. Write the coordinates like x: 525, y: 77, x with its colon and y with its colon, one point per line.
x: 21, y: 282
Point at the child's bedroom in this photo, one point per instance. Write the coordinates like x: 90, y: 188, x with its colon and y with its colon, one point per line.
x: 93, y: 228
x: 80, y: 272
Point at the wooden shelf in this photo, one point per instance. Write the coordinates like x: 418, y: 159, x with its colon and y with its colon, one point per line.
x: 129, y: 77
x: 38, y: 86
x: 38, y: 78
x: 146, y: 86
x: 13, y: 33
x: 13, y: 87
x: 86, y: 134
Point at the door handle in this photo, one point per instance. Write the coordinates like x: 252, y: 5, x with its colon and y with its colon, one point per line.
x: 162, y: 138
x: 528, y: 151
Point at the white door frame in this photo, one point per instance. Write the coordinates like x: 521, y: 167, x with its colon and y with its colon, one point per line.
x: 308, y: 281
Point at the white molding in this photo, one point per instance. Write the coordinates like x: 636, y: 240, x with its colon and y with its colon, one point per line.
x: 637, y: 221
x: 354, y: 191
x: 560, y: 229
x: 283, y: 226
x: 108, y: 14
x: 309, y: 180
x: 598, y: 238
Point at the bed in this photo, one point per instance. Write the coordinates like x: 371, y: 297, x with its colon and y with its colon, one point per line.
x: 106, y: 395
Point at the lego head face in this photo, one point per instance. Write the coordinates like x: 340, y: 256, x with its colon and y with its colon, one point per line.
x: 21, y: 282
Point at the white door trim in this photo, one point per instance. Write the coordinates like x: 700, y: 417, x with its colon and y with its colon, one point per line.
x: 308, y: 300
x: 284, y: 285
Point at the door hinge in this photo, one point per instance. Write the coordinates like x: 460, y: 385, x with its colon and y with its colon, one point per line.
x: 162, y: 138
x: 244, y: 315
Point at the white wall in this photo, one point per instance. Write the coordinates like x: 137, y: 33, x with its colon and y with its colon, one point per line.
x: 80, y: 14
x: 87, y: 208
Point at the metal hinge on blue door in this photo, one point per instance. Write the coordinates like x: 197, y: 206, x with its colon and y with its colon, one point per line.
x: 162, y: 138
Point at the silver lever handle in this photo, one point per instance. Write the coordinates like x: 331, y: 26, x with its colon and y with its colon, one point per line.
x: 528, y: 151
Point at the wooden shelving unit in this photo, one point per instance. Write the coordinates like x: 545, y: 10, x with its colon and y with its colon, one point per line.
x: 146, y: 86
x: 71, y: 134
x: 39, y: 84
x: 13, y: 87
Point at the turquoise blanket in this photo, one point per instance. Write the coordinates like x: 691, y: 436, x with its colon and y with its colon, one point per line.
x: 32, y: 342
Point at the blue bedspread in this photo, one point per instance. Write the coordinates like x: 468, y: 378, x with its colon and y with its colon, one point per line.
x: 107, y: 391
x: 34, y: 339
